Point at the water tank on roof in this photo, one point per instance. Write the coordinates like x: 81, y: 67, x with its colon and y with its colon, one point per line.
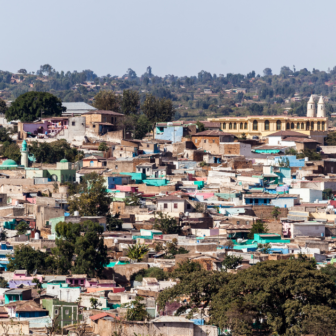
x: 37, y: 235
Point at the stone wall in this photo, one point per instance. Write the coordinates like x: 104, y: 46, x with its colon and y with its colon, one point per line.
x: 265, y: 212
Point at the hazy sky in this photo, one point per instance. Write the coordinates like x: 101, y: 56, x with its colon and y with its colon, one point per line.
x: 179, y: 37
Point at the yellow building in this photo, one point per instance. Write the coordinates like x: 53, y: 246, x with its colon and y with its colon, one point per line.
x: 262, y: 126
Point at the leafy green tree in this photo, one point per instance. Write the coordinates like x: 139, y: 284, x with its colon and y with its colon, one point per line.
x: 231, y: 262
x: 30, y: 105
x: 142, y: 127
x: 257, y: 227
x: 152, y: 272
x: 166, y: 224
x: 25, y: 257
x: 54, y: 152
x: 94, y: 303
x: 330, y: 270
x: 136, y: 310
x: 327, y: 194
x: 172, y: 249
x: 3, y: 283
x: 264, y: 248
x: 137, y: 251
x: 22, y: 228
x: 310, y: 154
x: 3, y: 106
x: 291, y: 151
x: 11, y: 151
x: 132, y: 200
x: 277, y: 294
x: 67, y: 234
x: 114, y: 222
x: 330, y: 140
x: 93, y: 200
x: 5, y: 135
x: 267, y: 72
x: 276, y: 212
x: 200, y: 126
x: 91, y: 251
x: 130, y: 102
x: 103, y: 147
x: 107, y: 100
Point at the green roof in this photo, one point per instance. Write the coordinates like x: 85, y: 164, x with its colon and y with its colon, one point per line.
x: 64, y: 160
x: 9, y: 162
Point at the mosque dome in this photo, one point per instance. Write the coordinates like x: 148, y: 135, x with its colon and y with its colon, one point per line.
x: 9, y: 162
x: 64, y: 161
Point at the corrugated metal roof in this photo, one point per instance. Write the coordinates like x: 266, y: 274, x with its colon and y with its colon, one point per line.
x: 166, y: 319
x: 78, y: 106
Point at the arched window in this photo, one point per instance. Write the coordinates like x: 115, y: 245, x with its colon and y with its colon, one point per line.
x: 307, y: 126
x: 318, y: 125
x: 292, y: 125
x: 224, y: 125
x: 91, y: 163
x: 298, y: 126
x: 234, y: 125
x: 323, y: 125
x: 278, y: 125
x: 287, y: 126
x: 312, y: 126
x: 266, y: 125
x: 302, y: 126
x: 255, y: 125
x: 230, y: 126
x: 245, y: 126
x: 311, y: 106
x: 241, y: 125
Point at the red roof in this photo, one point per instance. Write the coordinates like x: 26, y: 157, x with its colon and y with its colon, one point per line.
x: 101, y: 315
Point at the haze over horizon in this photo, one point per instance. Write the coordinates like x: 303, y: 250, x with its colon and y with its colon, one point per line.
x: 180, y: 38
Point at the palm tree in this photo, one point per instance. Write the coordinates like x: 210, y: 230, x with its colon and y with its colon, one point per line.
x: 137, y: 251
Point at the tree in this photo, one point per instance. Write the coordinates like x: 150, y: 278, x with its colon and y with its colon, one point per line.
x: 152, y: 272
x: 11, y: 151
x: 277, y: 294
x: 200, y: 126
x: 136, y: 310
x: 264, y: 248
x: 142, y: 127
x: 166, y: 224
x: 90, y: 250
x: 29, y: 106
x: 38, y: 285
x: 257, y: 227
x: 94, y: 303
x: 330, y: 270
x: 137, y: 251
x: 93, y: 200
x: 276, y: 212
x: 46, y: 69
x: 330, y: 140
x: 231, y: 262
x: 130, y: 102
x: 158, y: 110
x: 3, y: 106
x: 22, y: 228
x: 103, y: 147
x: 310, y: 154
x: 25, y: 257
x: 107, y: 100
x: 132, y: 200
x: 114, y: 222
x: 267, y: 72
x: 172, y: 249
x: 22, y: 71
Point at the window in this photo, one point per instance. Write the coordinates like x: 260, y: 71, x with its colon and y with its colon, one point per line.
x: 323, y: 124
x: 204, y: 141
x: 234, y: 125
x: 224, y: 126
x: 287, y: 126
x: 67, y: 312
x: 94, y: 126
x: 56, y: 312
x: 247, y: 222
x: 230, y: 126
x: 245, y: 125
x: 73, y: 123
x: 188, y: 206
x: 147, y: 169
x: 120, y: 155
x: 278, y: 125
x: 241, y: 125
x: 147, y: 146
x: 292, y: 125
x: 312, y: 125
x: 298, y: 126
x: 302, y: 126
x: 196, y: 140
x: 116, y: 167
x: 265, y: 201
x: 175, y: 205
x: 266, y: 125
x: 255, y: 125
x: 213, y: 141
x: 318, y: 125
x: 307, y: 126
x: 238, y: 222
x: 165, y: 205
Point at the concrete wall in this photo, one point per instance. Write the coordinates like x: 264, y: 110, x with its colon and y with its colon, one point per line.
x: 307, y: 195
x: 307, y: 230
x: 64, y: 294
x: 171, y: 206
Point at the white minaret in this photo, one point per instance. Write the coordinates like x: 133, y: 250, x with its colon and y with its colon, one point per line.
x: 24, y: 154
x: 321, y: 108
x: 311, y: 112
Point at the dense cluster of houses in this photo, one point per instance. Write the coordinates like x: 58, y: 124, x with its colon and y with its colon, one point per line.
x: 216, y: 185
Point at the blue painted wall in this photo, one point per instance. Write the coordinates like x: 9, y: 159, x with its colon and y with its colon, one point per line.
x: 293, y: 161
x: 172, y: 133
